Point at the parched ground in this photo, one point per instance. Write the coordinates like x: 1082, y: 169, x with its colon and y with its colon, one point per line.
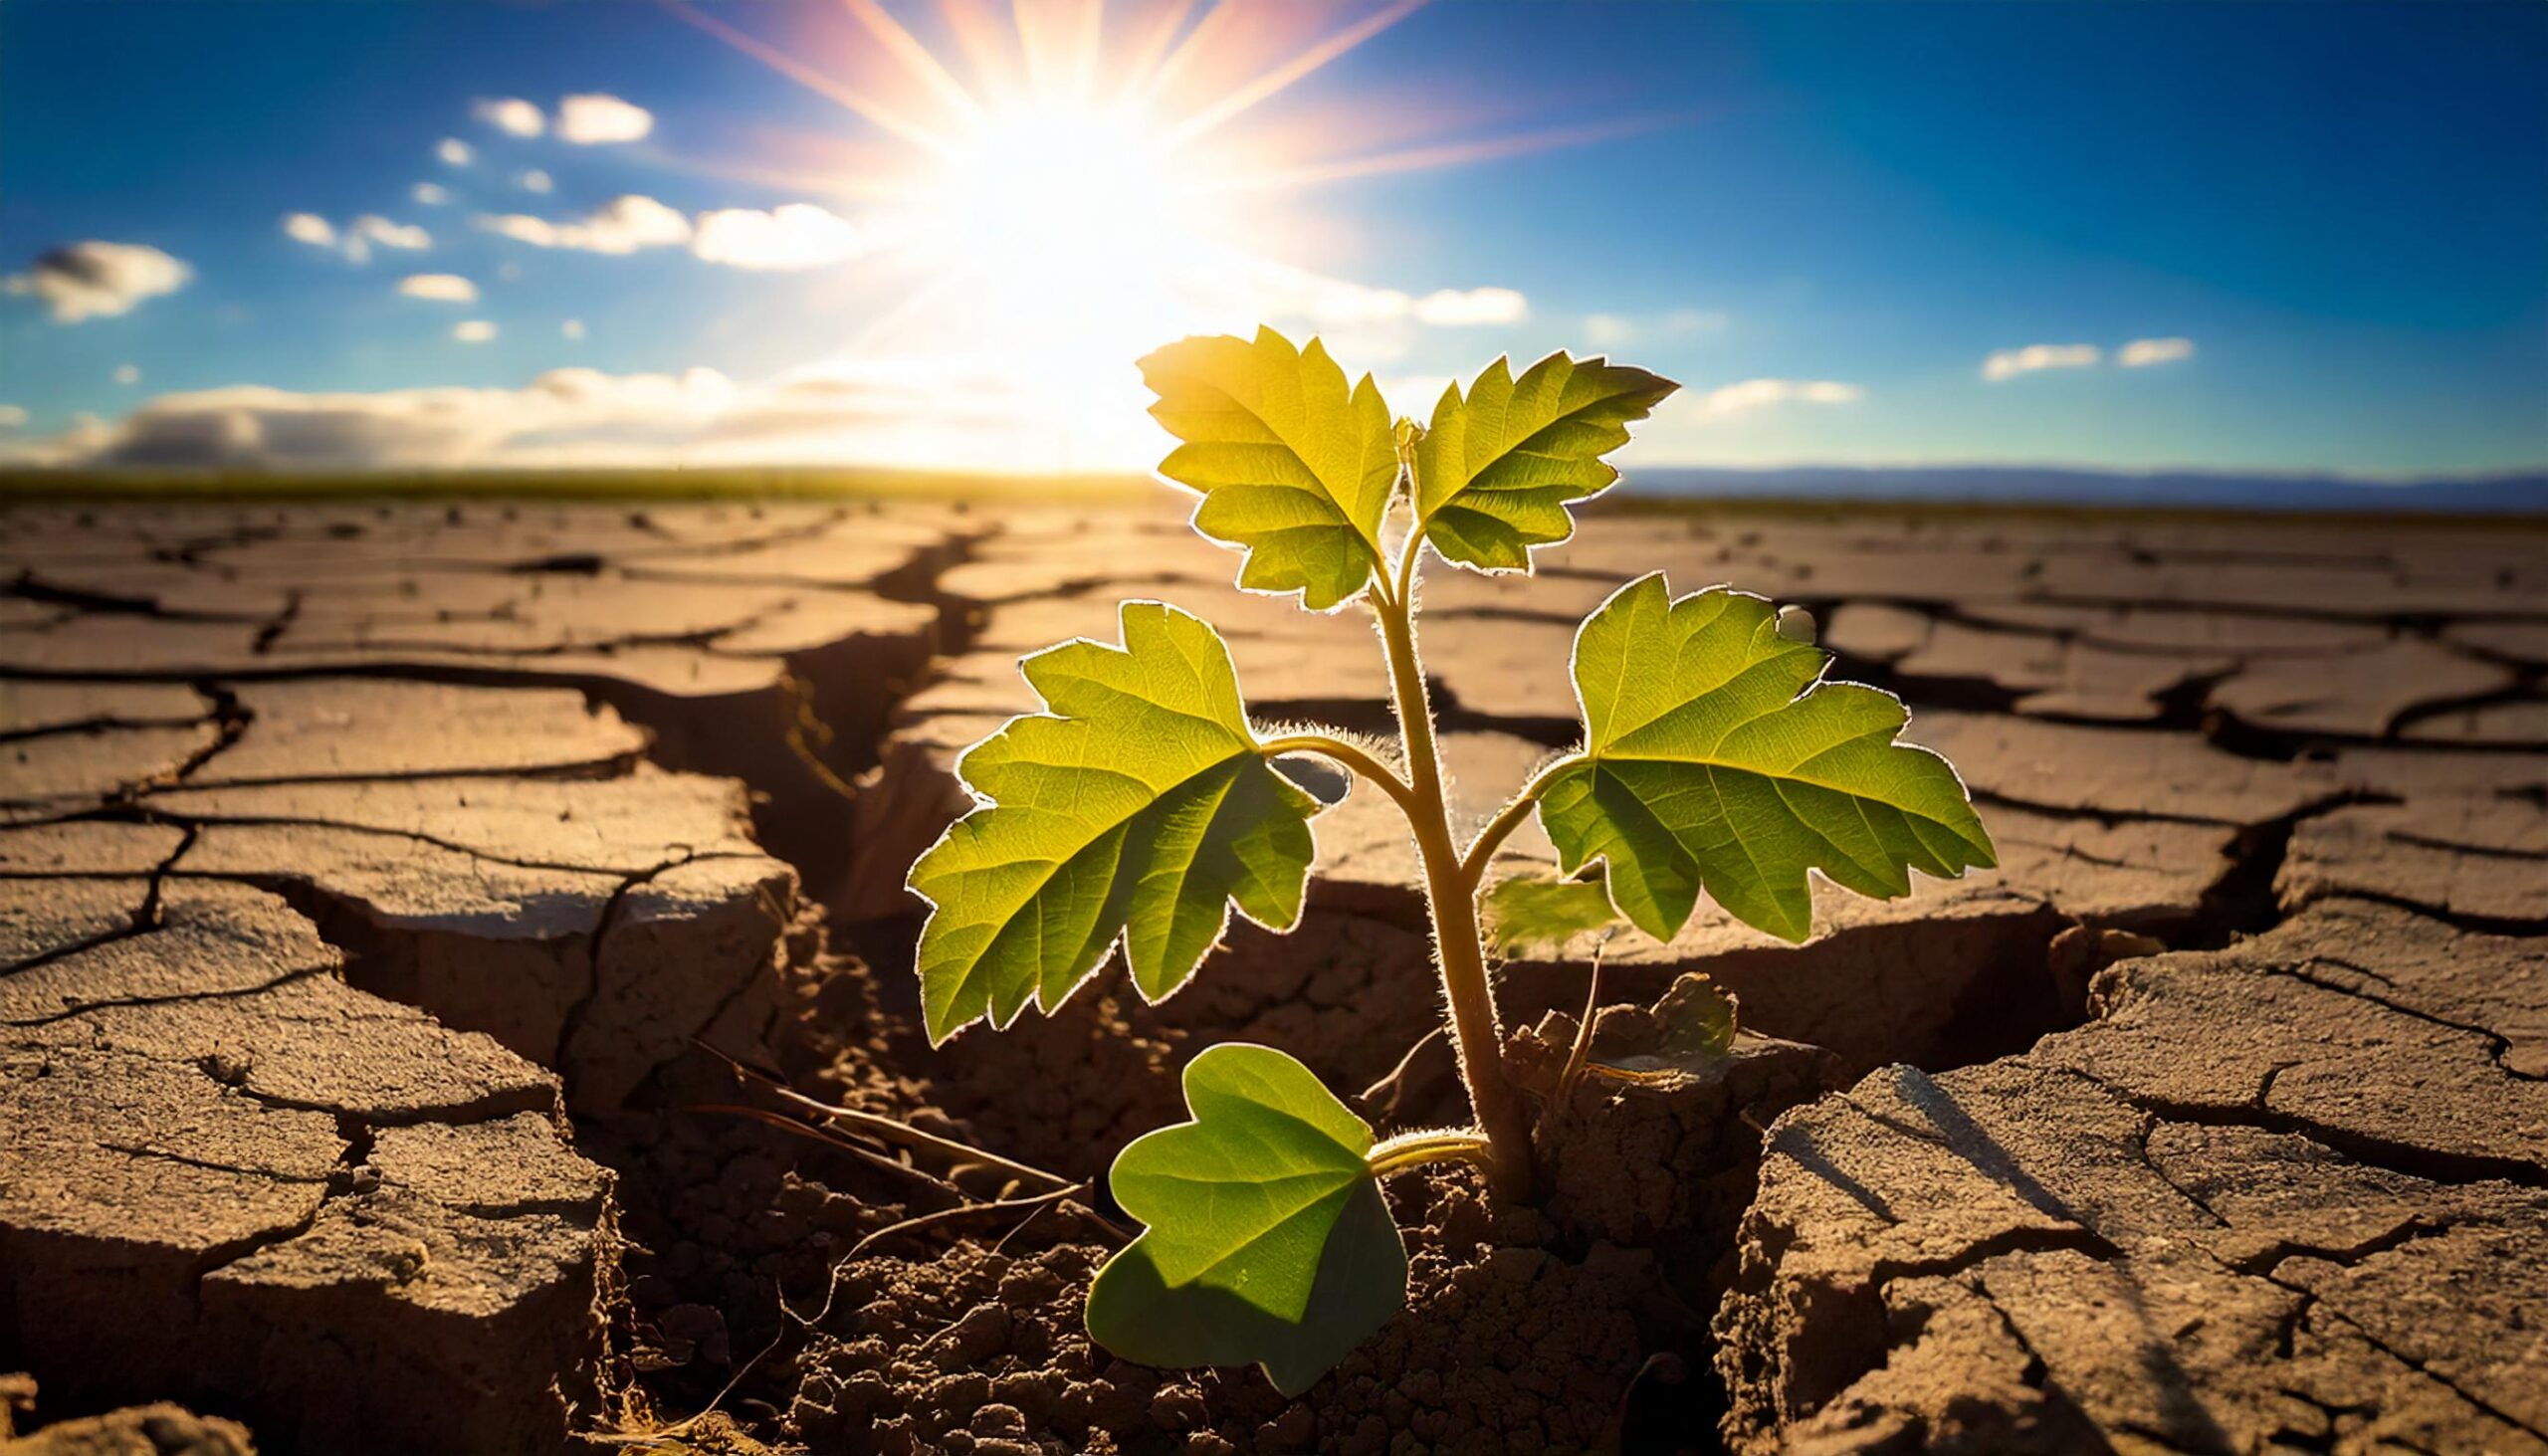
x: 371, y: 879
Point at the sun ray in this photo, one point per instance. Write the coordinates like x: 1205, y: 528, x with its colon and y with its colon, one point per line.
x: 1146, y: 56
x: 1272, y: 81
x: 903, y: 46
x: 1087, y: 48
x: 1038, y: 195
x: 1430, y: 158
x: 1214, y: 21
x: 989, y: 46
x: 814, y: 81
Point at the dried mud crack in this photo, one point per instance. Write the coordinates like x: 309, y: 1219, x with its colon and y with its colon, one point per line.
x: 383, y: 888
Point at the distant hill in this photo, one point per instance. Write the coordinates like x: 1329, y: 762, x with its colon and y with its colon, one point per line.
x: 2030, y: 484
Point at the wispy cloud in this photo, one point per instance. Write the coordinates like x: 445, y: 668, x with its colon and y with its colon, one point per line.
x: 2009, y: 363
x: 430, y: 194
x: 127, y: 375
x: 1756, y: 394
x: 510, y: 114
x: 594, y: 121
x: 535, y: 180
x: 12, y: 416
x: 475, y: 330
x: 2143, y: 352
x: 454, y: 153
x: 1609, y: 331
x: 792, y: 236
x: 571, y: 328
x: 1465, y: 307
x: 94, y: 280
x: 885, y: 412
x: 622, y: 226
x: 356, y: 237
x: 441, y: 288
x: 1268, y: 290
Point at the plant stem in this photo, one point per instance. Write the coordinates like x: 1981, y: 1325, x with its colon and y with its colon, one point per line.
x: 1452, y: 896
x: 1482, y: 849
x: 1360, y: 762
x: 1415, y: 1149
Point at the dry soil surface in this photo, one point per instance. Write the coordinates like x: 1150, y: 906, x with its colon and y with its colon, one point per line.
x: 371, y: 879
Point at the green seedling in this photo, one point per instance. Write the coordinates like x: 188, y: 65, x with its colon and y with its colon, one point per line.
x: 1143, y: 807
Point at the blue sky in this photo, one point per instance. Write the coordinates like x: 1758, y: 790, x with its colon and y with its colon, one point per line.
x: 2246, y: 236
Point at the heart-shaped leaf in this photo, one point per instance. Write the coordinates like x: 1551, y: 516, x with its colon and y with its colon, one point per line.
x: 1268, y: 1241
x: 1496, y: 471
x: 1138, y: 808
x: 1713, y: 760
x: 1294, y: 468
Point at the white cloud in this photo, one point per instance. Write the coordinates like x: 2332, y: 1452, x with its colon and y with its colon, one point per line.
x: 12, y: 416
x: 454, y: 151
x: 796, y: 235
x: 571, y: 328
x: 430, y: 194
x: 885, y: 411
x: 625, y: 225
x: 441, y: 288
x: 1455, y: 308
x: 1609, y: 331
x: 2142, y: 353
x: 99, y: 280
x: 510, y: 114
x: 2009, y: 363
x: 127, y: 374
x: 475, y: 330
x: 1754, y: 394
x: 592, y: 120
x: 1380, y: 317
x: 405, y: 236
x: 535, y: 180
x: 357, y: 237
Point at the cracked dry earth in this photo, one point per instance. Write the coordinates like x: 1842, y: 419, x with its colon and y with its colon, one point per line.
x: 371, y: 879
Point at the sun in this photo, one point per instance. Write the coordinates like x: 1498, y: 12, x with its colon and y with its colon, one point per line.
x: 1047, y: 184
x: 1075, y: 201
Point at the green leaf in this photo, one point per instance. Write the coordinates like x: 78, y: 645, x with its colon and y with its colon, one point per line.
x: 1268, y: 1241
x: 1715, y: 761
x: 1136, y: 808
x: 1293, y: 468
x: 1495, y: 472
x: 1527, y: 914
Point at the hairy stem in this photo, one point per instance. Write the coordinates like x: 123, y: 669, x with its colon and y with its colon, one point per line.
x: 1490, y: 838
x: 1458, y: 949
x: 1360, y: 762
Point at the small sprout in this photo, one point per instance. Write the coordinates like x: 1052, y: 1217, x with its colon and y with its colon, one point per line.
x: 1141, y: 809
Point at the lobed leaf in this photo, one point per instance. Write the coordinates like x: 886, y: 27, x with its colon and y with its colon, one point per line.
x: 1138, y: 808
x: 1497, y: 470
x: 1714, y: 761
x: 1293, y: 468
x: 1267, y: 1241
